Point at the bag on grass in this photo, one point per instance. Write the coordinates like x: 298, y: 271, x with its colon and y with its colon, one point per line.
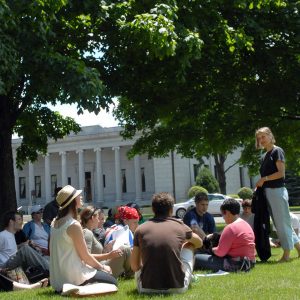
x: 36, y: 273
x: 17, y: 274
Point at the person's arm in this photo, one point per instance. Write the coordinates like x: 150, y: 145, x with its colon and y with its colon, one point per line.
x: 225, y: 243
x: 76, y: 234
x: 195, y: 240
x: 135, y: 259
x: 211, y: 224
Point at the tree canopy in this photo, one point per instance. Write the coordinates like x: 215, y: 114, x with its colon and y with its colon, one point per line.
x: 46, y: 56
x: 231, y: 67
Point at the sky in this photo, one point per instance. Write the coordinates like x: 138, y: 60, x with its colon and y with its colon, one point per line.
x: 103, y: 119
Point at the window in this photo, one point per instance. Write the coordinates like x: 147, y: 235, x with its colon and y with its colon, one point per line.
x: 103, y: 177
x: 69, y: 181
x: 124, y: 186
x: 196, y: 170
x: 143, y: 180
x: 53, y: 184
x: 242, y: 181
x: 38, y: 186
x: 22, y: 187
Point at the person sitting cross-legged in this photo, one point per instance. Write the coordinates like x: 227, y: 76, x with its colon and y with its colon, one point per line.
x: 162, y: 256
x: 36, y: 231
x: 200, y: 221
x: 12, y: 257
x: 236, y: 249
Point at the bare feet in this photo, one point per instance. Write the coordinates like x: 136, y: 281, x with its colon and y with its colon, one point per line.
x: 284, y: 259
x: 40, y: 284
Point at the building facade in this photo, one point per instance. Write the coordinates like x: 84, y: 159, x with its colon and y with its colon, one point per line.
x: 95, y: 160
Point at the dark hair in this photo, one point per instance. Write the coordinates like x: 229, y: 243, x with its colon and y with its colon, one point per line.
x: 9, y: 215
x: 201, y: 196
x: 247, y: 203
x: 232, y: 205
x: 162, y: 203
x: 62, y: 213
x: 57, y: 189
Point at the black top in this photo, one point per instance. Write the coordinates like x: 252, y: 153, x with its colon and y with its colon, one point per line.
x: 268, y: 167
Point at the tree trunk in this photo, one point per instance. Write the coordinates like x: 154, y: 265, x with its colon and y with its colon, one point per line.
x: 219, y: 161
x: 7, y: 181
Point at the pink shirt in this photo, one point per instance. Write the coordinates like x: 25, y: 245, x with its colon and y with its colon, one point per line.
x: 237, y: 240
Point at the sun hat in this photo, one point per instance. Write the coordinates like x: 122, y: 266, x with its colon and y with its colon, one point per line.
x: 66, y: 195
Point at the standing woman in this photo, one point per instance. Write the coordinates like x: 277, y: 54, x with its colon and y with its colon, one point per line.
x: 272, y: 171
x: 70, y: 261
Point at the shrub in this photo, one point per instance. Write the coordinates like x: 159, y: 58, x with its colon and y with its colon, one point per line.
x: 245, y: 193
x: 207, y: 180
x: 195, y: 190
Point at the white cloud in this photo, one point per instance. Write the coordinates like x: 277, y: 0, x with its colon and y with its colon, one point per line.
x: 104, y: 119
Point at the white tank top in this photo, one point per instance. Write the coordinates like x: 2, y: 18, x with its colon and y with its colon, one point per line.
x: 65, y: 264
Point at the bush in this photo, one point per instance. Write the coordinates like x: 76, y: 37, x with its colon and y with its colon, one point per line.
x: 245, y: 193
x: 207, y: 180
x: 195, y: 190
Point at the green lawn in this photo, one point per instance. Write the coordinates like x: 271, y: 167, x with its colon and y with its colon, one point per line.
x: 266, y: 281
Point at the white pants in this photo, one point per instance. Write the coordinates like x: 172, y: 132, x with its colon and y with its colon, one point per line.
x: 187, y: 258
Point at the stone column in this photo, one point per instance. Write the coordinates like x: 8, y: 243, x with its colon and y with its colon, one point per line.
x: 47, y: 178
x: 81, y: 170
x: 16, y: 174
x: 118, y: 173
x: 99, y: 175
x: 64, y: 179
x: 138, y: 179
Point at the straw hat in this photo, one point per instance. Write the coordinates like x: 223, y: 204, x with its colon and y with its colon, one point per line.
x: 66, y: 195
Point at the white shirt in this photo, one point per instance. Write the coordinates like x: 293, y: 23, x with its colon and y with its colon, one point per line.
x: 8, y: 246
x: 65, y: 264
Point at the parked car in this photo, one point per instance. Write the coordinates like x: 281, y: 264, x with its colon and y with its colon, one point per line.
x: 214, y: 204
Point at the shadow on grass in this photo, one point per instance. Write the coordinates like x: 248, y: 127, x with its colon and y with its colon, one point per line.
x: 134, y: 293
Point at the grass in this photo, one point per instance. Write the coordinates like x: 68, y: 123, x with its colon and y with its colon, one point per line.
x: 266, y: 281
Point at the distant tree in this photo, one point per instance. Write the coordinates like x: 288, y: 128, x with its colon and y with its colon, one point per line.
x: 207, y: 180
x: 195, y: 190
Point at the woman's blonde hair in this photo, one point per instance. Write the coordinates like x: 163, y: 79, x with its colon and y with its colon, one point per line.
x: 265, y: 130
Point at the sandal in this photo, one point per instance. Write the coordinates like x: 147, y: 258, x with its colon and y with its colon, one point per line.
x: 44, y: 282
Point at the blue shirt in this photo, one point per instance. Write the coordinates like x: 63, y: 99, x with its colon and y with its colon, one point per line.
x: 205, y: 222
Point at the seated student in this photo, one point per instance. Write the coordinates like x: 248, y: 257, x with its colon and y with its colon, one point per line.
x: 247, y: 214
x: 162, y: 256
x: 275, y: 242
x: 70, y: 260
x: 118, y: 260
x: 37, y: 231
x: 111, y: 217
x: 99, y: 232
x: 127, y: 217
x: 12, y: 257
x: 200, y: 221
x: 51, y: 209
x: 138, y: 209
x: 236, y: 246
